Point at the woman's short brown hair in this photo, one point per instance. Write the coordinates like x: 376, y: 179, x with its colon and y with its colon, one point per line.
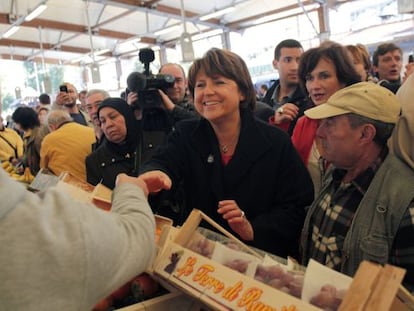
x: 229, y: 65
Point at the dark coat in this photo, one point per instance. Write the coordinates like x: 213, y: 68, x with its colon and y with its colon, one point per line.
x: 266, y: 177
x: 299, y: 98
x: 32, y: 143
x: 183, y: 111
x: 103, y: 165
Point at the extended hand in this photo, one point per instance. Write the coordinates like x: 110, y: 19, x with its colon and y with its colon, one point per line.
x: 62, y: 98
x: 156, y: 181
x: 124, y: 178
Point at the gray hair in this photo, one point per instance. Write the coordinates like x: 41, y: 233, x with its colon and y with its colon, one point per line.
x: 104, y: 93
x: 58, y: 117
x: 383, y: 129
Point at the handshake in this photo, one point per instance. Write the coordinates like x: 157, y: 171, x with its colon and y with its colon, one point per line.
x: 149, y: 182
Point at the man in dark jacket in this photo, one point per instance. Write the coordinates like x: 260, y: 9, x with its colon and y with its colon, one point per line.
x: 156, y: 124
x: 180, y: 107
x: 285, y: 97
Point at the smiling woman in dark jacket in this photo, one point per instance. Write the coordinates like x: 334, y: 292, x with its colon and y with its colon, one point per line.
x: 243, y: 173
x: 117, y: 153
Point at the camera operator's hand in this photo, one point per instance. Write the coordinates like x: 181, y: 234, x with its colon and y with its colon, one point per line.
x: 156, y: 181
x: 132, y: 98
x: 167, y: 102
x: 62, y: 98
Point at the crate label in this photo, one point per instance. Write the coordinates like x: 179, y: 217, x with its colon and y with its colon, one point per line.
x: 222, y: 284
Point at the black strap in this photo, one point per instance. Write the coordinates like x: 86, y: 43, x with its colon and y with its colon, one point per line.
x: 138, y: 152
x: 9, y: 143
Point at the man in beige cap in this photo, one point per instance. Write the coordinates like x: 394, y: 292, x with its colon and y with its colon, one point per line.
x: 363, y: 211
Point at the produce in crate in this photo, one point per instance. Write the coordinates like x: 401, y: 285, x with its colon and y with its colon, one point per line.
x: 140, y: 288
x: 143, y: 287
x: 280, y: 278
x: 239, y: 265
x: 104, y: 304
x: 329, y: 298
x: 201, y: 245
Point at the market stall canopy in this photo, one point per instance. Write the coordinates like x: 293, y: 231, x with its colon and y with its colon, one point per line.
x: 58, y: 31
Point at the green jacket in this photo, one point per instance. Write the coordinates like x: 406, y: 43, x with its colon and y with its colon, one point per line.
x: 378, y: 216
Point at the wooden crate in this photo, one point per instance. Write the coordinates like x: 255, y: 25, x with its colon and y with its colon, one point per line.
x: 377, y: 288
x: 220, y: 288
x: 171, y: 301
x: 215, y: 285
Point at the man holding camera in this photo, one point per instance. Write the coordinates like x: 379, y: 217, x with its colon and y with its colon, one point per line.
x: 157, y: 122
x: 66, y: 99
x: 180, y: 108
x: 176, y: 103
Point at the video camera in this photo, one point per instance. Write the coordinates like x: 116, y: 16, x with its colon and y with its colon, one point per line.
x: 146, y: 84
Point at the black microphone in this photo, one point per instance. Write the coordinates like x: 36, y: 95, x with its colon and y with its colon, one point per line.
x: 136, y: 81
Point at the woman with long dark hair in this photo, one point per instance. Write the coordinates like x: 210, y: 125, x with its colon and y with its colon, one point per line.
x: 322, y: 71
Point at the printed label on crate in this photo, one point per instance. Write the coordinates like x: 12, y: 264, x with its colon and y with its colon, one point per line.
x: 204, y: 278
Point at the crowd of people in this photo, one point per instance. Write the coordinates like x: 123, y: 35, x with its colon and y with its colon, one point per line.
x: 318, y: 166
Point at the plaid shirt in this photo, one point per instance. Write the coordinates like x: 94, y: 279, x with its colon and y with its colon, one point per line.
x: 331, y: 221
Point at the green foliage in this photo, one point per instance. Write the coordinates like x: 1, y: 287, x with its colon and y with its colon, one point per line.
x: 30, y: 74
x: 51, y: 78
x: 56, y: 74
x: 7, y: 101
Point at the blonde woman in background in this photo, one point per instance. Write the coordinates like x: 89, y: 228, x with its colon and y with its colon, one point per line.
x: 361, y: 59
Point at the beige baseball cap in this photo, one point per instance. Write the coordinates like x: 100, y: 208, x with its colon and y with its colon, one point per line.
x: 364, y: 98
